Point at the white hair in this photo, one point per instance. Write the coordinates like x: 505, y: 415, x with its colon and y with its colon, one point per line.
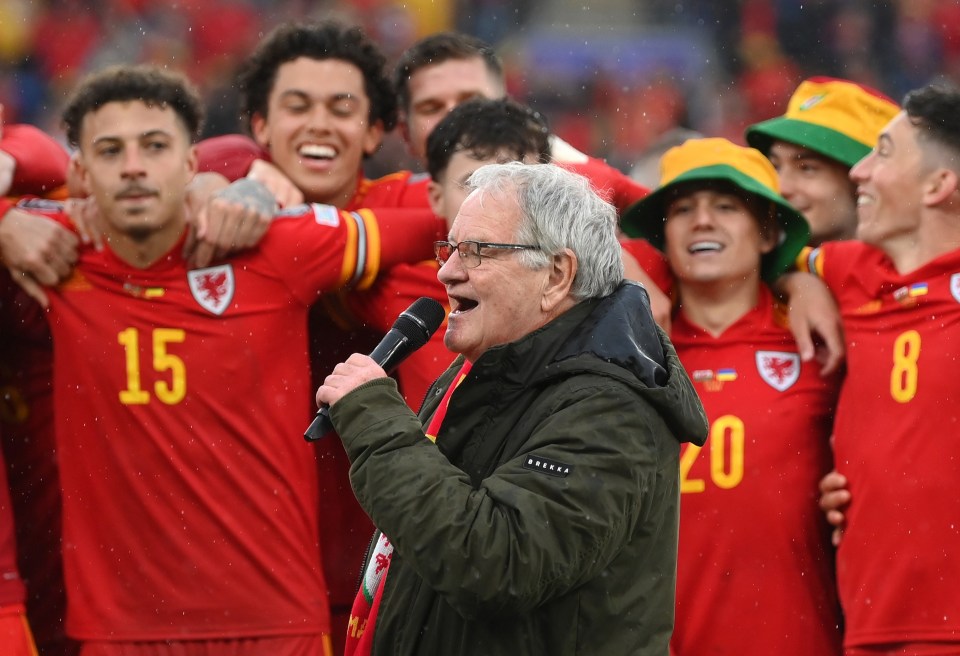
x: 559, y: 210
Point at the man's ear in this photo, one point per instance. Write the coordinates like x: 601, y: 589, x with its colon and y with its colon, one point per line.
x: 769, y: 239
x: 404, y: 128
x: 770, y: 230
x: 373, y: 138
x: 193, y: 161
x: 260, y: 129
x: 939, y: 186
x: 559, y: 281
x: 77, y: 185
x: 79, y: 164
x: 435, y: 196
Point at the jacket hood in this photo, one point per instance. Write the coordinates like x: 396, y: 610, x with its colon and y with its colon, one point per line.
x: 613, y: 336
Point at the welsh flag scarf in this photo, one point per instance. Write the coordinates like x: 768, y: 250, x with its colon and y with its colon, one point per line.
x: 366, y: 605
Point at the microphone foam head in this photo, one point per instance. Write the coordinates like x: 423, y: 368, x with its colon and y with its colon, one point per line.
x: 419, y: 321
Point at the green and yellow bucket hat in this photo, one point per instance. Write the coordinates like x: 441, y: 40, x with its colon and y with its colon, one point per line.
x: 720, y: 160
x: 839, y: 119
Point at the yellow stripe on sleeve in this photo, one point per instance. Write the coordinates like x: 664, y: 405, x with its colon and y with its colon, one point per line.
x: 810, y: 260
x: 350, y: 249
x: 372, y: 261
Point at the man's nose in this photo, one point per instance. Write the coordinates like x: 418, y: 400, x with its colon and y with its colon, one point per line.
x: 452, y: 269
x: 861, y: 170
x: 788, y: 186
x: 133, y: 163
x: 703, y: 216
x: 318, y: 119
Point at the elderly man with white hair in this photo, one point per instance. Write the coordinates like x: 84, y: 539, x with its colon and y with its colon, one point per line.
x: 532, y: 507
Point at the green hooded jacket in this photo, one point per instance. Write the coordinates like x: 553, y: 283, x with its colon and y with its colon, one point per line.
x: 545, y: 518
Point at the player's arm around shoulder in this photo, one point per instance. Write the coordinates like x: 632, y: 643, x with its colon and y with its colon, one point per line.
x: 814, y: 315
x: 37, y: 245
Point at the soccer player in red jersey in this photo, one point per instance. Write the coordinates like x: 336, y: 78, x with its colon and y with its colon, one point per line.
x: 190, y: 502
x: 755, y: 567
x: 830, y: 125
x: 898, y: 288
x: 318, y: 101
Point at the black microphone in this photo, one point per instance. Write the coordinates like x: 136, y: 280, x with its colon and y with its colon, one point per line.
x: 410, y: 331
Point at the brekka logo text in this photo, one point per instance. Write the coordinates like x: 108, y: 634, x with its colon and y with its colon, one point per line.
x: 547, y: 466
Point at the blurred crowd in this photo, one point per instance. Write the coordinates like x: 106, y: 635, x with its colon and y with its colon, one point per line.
x: 752, y: 54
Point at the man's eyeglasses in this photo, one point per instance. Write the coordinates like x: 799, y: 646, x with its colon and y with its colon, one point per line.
x: 470, y: 251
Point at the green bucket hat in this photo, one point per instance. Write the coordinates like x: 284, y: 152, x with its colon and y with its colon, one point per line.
x: 836, y: 118
x: 712, y: 160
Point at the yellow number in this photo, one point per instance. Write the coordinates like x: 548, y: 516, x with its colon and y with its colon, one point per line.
x: 177, y: 389
x: 726, y: 456
x: 726, y: 477
x: 903, y: 376
x: 169, y: 393
x: 686, y: 462
x: 134, y: 394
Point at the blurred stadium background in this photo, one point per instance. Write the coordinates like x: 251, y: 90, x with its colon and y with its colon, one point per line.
x: 616, y: 78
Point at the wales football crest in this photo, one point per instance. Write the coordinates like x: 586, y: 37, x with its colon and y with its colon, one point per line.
x: 212, y: 287
x: 778, y: 369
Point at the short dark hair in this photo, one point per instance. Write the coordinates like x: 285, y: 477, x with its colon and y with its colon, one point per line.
x: 319, y: 40
x: 436, y: 49
x: 485, y: 127
x: 152, y: 85
x: 935, y: 111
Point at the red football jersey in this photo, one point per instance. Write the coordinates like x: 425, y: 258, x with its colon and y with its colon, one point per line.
x: 345, y: 529
x: 755, y: 566
x: 895, y: 441
x: 26, y: 424
x: 190, y: 497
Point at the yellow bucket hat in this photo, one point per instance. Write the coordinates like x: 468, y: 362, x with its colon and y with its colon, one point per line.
x: 836, y: 118
x: 703, y: 160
